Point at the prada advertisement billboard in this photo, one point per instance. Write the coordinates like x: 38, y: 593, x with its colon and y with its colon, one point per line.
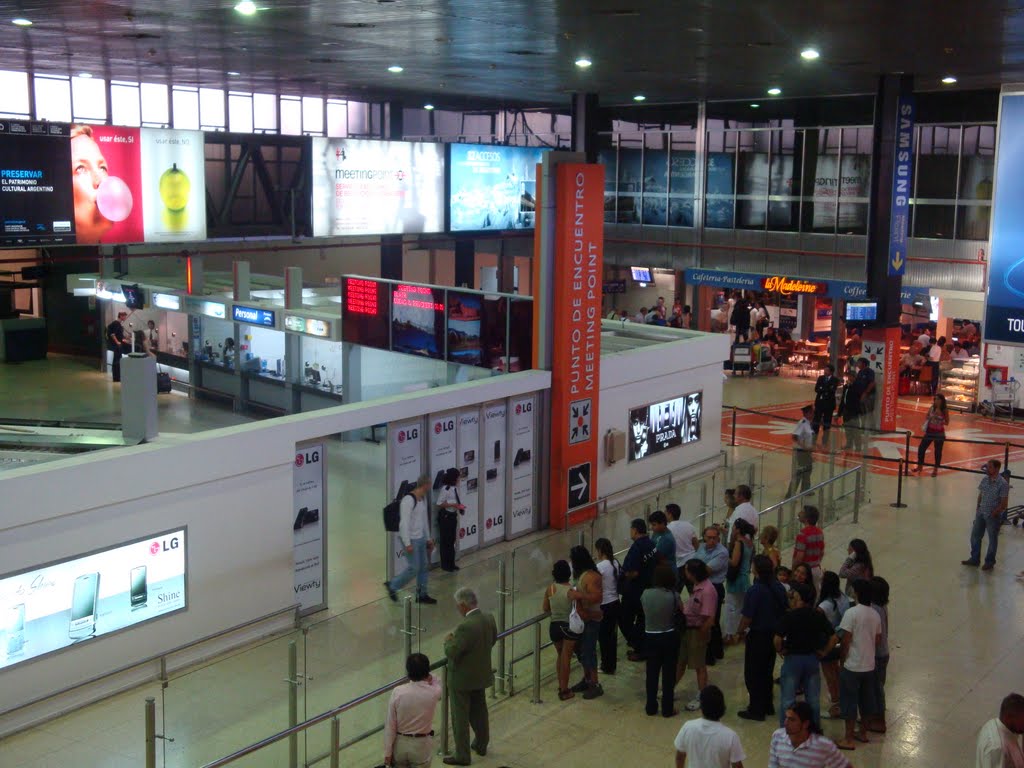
x: 660, y: 426
x: 54, y: 606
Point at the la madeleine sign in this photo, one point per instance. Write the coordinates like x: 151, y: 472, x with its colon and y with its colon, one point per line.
x: 787, y: 286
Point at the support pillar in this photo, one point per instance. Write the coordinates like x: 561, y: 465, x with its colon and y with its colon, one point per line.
x: 391, y: 257
x: 293, y: 366
x: 585, y: 125
x: 465, y: 262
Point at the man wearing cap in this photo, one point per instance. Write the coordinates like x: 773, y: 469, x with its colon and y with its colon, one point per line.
x: 803, y: 458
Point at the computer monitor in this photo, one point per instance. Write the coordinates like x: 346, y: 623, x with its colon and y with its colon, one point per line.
x: 861, y: 311
x: 641, y: 274
x: 134, y: 298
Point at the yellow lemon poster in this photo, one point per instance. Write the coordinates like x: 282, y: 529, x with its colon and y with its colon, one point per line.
x: 173, y: 185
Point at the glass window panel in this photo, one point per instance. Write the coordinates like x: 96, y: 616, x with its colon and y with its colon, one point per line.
x: 655, y: 163
x: 240, y: 112
x: 291, y: 117
x: 53, y: 99
x: 14, y: 87
x: 264, y: 110
x: 935, y: 221
x: 719, y: 209
x: 977, y: 168
x: 655, y: 210
x: 312, y: 115
x: 937, y: 162
x: 783, y: 181
x: 89, y: 98
x: 337, y: 118
x: 853, y: 218
x: 211, y: 107
x: 155, y: 108
x: 630, y: 175
x: 753, y: 179
x: 681, y: 179
x: 973, y: 222
x: 186, y: 108
x: 607, y: 156
x: 124, y: 104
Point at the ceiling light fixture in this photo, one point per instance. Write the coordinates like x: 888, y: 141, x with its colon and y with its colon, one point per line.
x: 949, y: 80
x: 232, y: 73
x: 246, y: 8
x: 428, y: 107
x: 755, y: 106
x: 395, y: 69
x: 775, y: 91
x: 583, y: 62
x: 810, y: 54
x: 20, y: 22
x: 639, y: 97
x: 84, y: 75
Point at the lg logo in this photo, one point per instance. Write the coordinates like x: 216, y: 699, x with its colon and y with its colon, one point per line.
x: 444, y: 426
x: 166, y: 545
x: 309, y: 457
x: 526, y: 407
x: 408, y: 434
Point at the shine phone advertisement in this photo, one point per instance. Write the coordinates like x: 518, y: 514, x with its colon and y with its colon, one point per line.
x: 492, y: 187
x: 364, y: 187
x: 660, y: 426
x: 50, y: 607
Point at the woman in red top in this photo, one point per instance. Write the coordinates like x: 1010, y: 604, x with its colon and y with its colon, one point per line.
x: 935, y: 424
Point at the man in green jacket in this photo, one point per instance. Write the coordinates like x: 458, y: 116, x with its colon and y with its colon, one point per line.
x: 469, y: 673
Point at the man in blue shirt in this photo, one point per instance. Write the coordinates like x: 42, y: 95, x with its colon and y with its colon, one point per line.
x: 637, y: 570
x: 663, y: 539
x: 763, y: 606
x: 993, y: 492
x: 716, y: 557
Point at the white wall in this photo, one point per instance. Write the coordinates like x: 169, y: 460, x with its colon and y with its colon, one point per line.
x: 654, y: 374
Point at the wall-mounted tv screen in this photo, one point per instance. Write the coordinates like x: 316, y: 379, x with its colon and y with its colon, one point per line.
x: 861, y: 311
x: 492, y: 187
x: 133, y: 296
x: 641, y: 274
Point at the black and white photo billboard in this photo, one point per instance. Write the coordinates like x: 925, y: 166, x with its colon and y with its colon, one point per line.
x: 659, y: 426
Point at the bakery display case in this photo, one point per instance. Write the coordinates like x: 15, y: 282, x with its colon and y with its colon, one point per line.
x: 959, y: 383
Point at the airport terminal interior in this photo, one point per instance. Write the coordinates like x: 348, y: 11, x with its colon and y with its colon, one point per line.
x: 591, y: 258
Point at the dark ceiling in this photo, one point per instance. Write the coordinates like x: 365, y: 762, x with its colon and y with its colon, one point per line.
x: 461, y: 53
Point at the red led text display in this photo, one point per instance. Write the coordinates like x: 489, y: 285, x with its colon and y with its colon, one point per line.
x: 417, y: 297
x: 364, y: 313
x: 361, y: 297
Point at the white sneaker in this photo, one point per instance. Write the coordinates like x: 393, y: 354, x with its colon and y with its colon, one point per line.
x: 694, y: 704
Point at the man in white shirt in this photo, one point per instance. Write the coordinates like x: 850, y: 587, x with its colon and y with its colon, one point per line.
x: 705, y: 742
x: 999, y: 742
x: 684, y: 533
x: 409, y: 723
x: 414, y: 533
x: 744, y: 509
x: 861, y: 629
x: 924, y: 339
x: 803, y: 456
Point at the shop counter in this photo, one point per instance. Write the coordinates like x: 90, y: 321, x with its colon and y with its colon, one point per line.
x: 269, y: 391
x: 219, y: 379
x: 22, y: 338
x: 312, y: 398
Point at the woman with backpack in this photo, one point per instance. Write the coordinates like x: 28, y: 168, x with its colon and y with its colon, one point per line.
x: 610, y: 570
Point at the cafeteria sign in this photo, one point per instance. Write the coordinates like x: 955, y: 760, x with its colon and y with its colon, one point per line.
x: 787, y: 286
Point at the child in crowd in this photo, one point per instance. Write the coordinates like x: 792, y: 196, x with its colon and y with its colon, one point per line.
x: 880, y: 602
x: 769, y: 535
x: 783, y: 574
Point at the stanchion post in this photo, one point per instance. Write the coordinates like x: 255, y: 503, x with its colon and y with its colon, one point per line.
x: 502, y: 594
x: 536, y: 663
x: 733, y: 439
x: 857, y: 494
x: 150, y: 732
x: 444, y: 710
x: 335, y: 740
x: 407, y: 626
x: 899, y: 488
x: 1006, y: 456
x: 906, y: 457
x: 293, y: 704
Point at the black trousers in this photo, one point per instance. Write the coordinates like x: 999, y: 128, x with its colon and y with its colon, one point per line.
x: 631, y: 621
x: 823, y: 415
x: 938, y: 439
x: 759, y: 671
x: 115, y: 365
x: 609, y: 636
x: 716, y: 650
x: 447, y: 527
x: 662, y: 652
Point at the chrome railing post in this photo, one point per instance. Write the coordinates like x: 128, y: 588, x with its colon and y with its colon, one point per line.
x: 536, y: 663
x: 858, y: 478
x: 150, y: 717
x: 407, y: 625
x: 502, y: 595
x: 335, y: 741
x: 703, y: 504
x: 444, y: 710
x: 293, y: 704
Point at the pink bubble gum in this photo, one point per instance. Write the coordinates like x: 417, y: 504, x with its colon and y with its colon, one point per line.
x: 114, y: 199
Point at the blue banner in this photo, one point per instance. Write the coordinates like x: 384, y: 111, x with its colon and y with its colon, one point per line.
x: 899, y: 217
x: 837, y: 289
x: 1004, y: 300
x: 252, y: 316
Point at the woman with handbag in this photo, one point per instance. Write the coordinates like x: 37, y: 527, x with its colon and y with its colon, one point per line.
x: 558, y: 604
x: 737, y: 577
x: 934, y: 429
x: 587, y: 599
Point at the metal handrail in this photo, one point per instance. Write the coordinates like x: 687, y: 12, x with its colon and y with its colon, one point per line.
x: 349, y: 705
x: 810, y: 490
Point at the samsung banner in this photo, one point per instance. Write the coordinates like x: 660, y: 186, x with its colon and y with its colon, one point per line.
x: 521, y: 451
x: 405, y: 464
x: 1004, y: 301
x: 492, y: 187
x: 657, y: 427
x: 72, y: 601
x: 494, y: 472
x: 363, y: 187
x: 309, y: 526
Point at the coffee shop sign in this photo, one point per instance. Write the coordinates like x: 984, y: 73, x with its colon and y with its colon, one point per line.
x: 787, y: 286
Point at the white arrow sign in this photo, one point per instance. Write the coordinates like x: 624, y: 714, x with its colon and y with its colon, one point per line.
x: 581, y: 487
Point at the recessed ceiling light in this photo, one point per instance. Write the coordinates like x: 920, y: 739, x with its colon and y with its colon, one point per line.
x: 583, y: 62
x: 20, y: 22
x: 774, y: 91
x: 755, y: 106
x: 84, y: 75
x: 428, y: 107
x: 809, y: 53
x: 246, y: 7
x: 395, y: 69
x: 695, y: 29
x: 232, y: 73
x: 949, y: 79
x: 639, y: 97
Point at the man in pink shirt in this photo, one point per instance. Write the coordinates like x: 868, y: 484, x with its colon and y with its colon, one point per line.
x: 408, y: 727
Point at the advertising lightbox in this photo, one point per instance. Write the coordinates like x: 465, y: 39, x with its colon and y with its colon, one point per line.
x: 51, y: 607
x: 36, y: 205
x: 660, y: 426
x: 364, y: 187
x: 492, y: 187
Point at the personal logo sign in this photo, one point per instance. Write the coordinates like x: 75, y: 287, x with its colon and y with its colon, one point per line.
x: 253, y: 316
x: 660, y: 426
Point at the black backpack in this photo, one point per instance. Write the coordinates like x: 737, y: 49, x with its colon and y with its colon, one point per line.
x: 393, y: 510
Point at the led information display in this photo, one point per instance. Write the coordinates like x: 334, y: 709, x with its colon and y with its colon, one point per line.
x: 54, y: 606
x: 657, y: 427
x: 492, y: 187
x: 363, y: 187
x: 365, y: 316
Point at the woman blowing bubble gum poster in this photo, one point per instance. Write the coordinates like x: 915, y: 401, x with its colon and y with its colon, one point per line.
x: 106, y: 178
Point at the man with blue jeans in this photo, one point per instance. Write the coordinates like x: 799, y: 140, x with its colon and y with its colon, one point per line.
x: 716, y: 557
x: 993, y: 492
x: 414, y: 533
x: 802, y: 637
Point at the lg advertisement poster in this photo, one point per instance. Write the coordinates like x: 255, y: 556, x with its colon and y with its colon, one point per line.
x: 660, y: 426
x: 309, y: 527
x: 469, y: 478
x: 72, y: 601
x: 521, y: 451
x: 363, y: 187
x: 405, y: 464
x: 36, y: 205
x: 443, y: 456
x: 494, y: 472
x: 493, y: 187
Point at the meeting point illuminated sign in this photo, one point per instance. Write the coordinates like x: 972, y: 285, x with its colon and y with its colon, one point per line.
x: 788, y: 285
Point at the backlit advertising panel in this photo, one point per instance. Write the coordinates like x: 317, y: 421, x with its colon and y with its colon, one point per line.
x: 174, y: 185
x: 492, y: 187
x: 417, y: 320
x: 659, y: 426
x: 36, y: 205
x: 364, y: 187
x: 51, y: 607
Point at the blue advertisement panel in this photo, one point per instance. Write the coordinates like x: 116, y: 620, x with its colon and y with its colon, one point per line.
x: 492, y: 187
x: 719, y: 210
x: 901, y: 189
x: 1004, y: 302
x: 835, y: 289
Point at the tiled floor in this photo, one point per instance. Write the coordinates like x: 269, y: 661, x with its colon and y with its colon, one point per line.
x: 957, y: 638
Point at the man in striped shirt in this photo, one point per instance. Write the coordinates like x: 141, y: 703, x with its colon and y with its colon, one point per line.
x: 799, y: 743
x: 809, y: 547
